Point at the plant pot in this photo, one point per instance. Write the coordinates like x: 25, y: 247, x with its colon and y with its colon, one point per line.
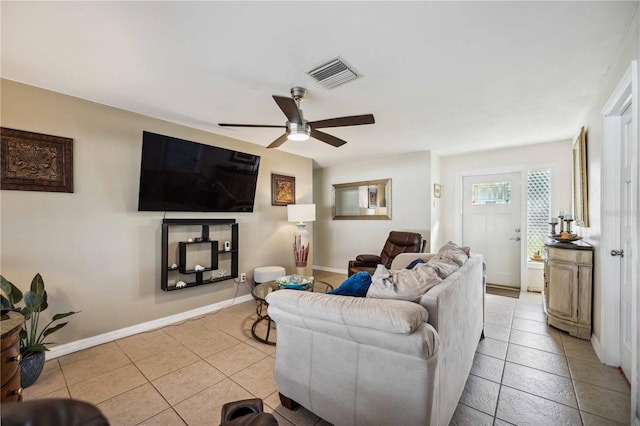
x: 31, y: 367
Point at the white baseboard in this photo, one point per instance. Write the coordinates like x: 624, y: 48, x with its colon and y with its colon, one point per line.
x: 100, y: 339
x: 327, y: 269
x: 595, y: 342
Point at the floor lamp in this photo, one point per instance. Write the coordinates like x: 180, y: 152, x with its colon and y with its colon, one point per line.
x: 301, y: 213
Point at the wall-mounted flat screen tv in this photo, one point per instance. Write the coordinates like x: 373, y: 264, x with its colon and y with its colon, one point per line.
x: 179, y: 175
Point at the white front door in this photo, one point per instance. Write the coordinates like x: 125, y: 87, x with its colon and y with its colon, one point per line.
x: 627, y: 210
x: 491, y: 224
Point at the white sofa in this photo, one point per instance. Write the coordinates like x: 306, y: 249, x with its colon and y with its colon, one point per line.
x: 365, y: 361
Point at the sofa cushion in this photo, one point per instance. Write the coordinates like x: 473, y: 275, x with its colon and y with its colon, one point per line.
x: 314, y: 309
x: 356, y: 285
x: 403, y: 284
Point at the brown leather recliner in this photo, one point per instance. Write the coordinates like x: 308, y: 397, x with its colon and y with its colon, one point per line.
x: 397, y: 242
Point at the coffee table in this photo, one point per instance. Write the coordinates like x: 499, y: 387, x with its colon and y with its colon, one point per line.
x: 260, y: 293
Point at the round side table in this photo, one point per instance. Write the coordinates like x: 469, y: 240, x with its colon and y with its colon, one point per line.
x: 260, y: 292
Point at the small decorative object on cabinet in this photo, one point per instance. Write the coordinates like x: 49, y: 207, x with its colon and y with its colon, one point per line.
x: 178, y: 274
x: 568, y: 271
x: 10, y: 325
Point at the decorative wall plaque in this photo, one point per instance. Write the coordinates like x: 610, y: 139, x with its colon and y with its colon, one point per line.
x: 283, y: 190
x: 35, y: 162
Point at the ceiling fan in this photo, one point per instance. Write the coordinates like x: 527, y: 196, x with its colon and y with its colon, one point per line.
x: 299, y: 129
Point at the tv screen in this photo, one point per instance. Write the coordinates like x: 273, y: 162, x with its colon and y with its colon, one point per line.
x: 179, y: 175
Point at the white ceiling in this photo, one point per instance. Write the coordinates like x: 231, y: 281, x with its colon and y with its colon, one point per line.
x: 448, y: 77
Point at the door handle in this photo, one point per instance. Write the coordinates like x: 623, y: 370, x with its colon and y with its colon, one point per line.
x: 516, y: 238
x: 617, y: 253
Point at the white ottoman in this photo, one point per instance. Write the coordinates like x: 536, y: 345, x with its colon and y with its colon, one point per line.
x: 268, y: 273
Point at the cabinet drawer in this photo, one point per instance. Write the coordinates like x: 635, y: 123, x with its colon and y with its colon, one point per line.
x: 11, y: 391
x: 583, y: 257
x: 9, y: 363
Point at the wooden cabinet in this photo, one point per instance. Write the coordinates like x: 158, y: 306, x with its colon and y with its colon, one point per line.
x: 10, y: 358
x: 568, y: 287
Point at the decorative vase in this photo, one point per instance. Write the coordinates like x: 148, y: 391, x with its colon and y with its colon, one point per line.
x: 31, y: 367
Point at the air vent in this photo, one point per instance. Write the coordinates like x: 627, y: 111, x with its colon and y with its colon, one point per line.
x: 333, y: 73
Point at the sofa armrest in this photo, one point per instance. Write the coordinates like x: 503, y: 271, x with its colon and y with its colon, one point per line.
x: 368, y: 258
x: 403, y: 259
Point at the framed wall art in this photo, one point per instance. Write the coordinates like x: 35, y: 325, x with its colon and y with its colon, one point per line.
x: 373, y: 197
x: 35, y: 162
x: 283, y: 190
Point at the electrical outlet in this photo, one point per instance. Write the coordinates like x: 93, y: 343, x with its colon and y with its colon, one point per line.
x: 243, y: 277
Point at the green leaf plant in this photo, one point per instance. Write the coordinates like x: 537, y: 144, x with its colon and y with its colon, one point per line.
x: 35, y: 301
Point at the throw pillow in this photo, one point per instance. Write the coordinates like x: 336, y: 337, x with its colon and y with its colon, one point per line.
x: 356, y: 285
x: 414, y: 263
x: 442, y: 265
x: 403, y: 284
x: 455, y: 252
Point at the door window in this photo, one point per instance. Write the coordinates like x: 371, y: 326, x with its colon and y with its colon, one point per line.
x: 491, y: 193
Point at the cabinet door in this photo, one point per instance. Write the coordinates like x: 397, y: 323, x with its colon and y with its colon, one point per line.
x: 563, y: 290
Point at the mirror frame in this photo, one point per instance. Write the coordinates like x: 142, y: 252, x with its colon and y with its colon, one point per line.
x: 382, y: 216
x: 579, y: 187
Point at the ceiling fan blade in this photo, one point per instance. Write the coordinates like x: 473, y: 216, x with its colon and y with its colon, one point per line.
x: 327, y: 138
x: 289, y: 107
x: 352, y: 120
x: 249, y: 125
x: 278, y: 141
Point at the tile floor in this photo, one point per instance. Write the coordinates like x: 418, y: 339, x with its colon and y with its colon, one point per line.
x: 524, y: 373
x: 527, y: 373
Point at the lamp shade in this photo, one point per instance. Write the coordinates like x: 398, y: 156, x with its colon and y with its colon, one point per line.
x: 301, y: 212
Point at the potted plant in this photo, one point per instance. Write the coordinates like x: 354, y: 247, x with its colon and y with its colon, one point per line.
x: 32, y: 337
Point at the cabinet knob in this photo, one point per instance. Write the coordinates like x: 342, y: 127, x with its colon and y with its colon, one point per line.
x: 17, y: 358
x: 17, y: 391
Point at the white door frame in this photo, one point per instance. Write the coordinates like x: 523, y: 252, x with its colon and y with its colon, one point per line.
x: 523, y: 208
x: 609, y: 345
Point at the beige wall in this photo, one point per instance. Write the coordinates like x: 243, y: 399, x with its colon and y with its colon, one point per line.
x: 95, y: 251
x: 338, y: 241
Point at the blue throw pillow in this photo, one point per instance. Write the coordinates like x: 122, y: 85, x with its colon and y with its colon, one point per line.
x: 414, y: 263
x: 356, y: 285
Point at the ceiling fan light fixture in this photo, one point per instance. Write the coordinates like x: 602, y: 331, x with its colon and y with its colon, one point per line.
x: 298, y: 132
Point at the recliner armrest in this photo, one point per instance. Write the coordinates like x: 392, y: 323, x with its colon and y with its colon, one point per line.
x: 368, y: 258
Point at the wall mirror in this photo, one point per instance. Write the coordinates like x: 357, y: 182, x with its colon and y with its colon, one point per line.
x: 367, y: 200
x: 579, y: 187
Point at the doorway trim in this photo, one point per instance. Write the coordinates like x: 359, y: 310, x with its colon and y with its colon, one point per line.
x: 625, y: 94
